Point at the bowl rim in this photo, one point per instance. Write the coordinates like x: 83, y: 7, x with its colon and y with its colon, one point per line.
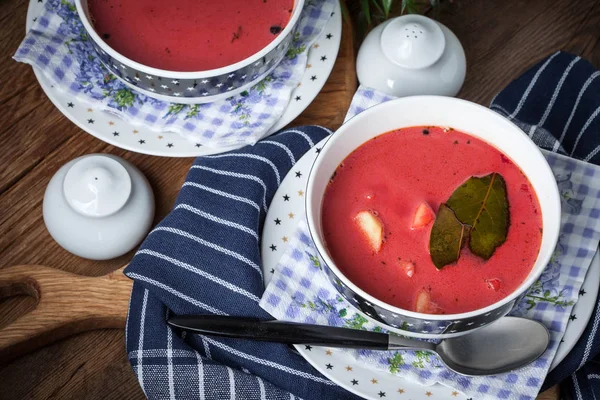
x: 371, y: 112
x: 209, y: 73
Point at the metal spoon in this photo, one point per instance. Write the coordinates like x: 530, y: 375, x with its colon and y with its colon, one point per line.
x: 507, y: 344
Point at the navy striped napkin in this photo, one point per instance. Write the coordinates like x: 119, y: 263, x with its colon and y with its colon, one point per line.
x: 204, y: 256
x: 557, y: 103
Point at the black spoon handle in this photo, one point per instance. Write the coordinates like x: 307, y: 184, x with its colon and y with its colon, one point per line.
x: 280, y: 331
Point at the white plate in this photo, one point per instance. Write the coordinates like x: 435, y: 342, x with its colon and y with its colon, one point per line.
x: 280, y: 225
x: 120, y: 133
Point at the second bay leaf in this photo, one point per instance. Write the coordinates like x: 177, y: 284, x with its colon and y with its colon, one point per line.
x: 482, y: 203
x: 447, y: 237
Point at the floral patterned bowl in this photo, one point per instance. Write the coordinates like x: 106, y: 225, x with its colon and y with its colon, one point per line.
x: 192, y: 87
x: 467, y: 117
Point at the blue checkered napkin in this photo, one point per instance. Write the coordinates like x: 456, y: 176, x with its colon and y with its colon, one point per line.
x: 58, y: 46
x: 564, y: 85
x: 557, y: 103
x: 204, y: 258
x: 299, y: 291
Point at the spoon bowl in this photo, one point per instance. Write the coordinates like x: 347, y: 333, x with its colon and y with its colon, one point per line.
x: 505, y: 345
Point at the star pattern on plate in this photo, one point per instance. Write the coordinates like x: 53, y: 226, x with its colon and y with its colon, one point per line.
x: 300, y: 193
x: 381, y: 394
x: 308, y: 347
x: 286, y: 198
x: 582, y: 292
x: 329, y: 366
x: 323, y: 58
x: 428, y: 394
x: 573, y: 317
x: 70, y: 105
x: 298, y: 98
x: 298, y: 174
x: 90, y: 121
x: 348, y: 368
x: 354, y: 382
x: 169, y: 145
x: 273, y: 247
x: 328, y: 352
x: 284, y: 239
x: 111, y: 123
x: 115, y: 133
x: 141, y: 141
x: 329, y: 36
x: 455, y: 393
x: 313, y: 78
x: 374, y: 381
x: 401, y: 391
x: 291, y: 215
x: 135, y: 131
x: 277, y: 221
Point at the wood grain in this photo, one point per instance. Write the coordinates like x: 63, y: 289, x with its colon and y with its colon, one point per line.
x: 67, y: 304
x: 501, y: 39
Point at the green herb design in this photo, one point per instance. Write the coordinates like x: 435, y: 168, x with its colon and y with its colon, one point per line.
x: 175, y: 109
x: 422, y: 358
x: 294, y: 49
x: 395, y: 362
x: 536, y: 294
x: 193, y: 111
x: 315, y: 261
x: 124, y: 97
x: 262, y: 85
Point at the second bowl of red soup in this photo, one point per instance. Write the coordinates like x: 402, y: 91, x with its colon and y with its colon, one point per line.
x: 433, y: 215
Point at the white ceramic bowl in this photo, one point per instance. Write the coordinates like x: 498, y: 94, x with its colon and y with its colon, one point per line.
x: 192, y: 87
x: 464, y: 116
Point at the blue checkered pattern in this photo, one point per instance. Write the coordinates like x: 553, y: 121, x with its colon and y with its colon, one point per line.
x: 560, y: 85
x: 299, y: 291
x: 57, y: 46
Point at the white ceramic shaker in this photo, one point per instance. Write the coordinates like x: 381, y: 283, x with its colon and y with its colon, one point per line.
x: 412, y: 55
x: 98, y: 206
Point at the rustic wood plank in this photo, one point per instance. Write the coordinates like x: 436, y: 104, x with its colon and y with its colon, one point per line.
x: 502, y: 39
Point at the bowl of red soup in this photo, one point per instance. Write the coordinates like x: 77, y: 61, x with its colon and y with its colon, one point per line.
x: 433, y: 215
x: 190, y: 51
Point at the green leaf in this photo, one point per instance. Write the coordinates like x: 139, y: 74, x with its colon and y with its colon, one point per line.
x: 387, y: 6
x: 366, y: 10
x: 343, y: 312
x: 448, y: 235
x: 378, y: 7
x: 482, y: 203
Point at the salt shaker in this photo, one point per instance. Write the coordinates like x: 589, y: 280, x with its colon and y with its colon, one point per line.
x: 98, y: 206
x: 412, y: 55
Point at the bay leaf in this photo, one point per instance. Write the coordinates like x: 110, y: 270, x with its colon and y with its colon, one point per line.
x: 482, y: 203
x: 447, y: 237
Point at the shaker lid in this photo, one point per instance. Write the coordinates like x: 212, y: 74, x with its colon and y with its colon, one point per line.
x: 413, y: 41
x: 97, y: 186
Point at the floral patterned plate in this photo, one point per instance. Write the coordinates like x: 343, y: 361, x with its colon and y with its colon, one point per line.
x: 286, y: 210
x: 120, y: 133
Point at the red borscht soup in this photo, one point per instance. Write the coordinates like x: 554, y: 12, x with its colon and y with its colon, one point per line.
x: 383, y: 201
x: 189, y: 35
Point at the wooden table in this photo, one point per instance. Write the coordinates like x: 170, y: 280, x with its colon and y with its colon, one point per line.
x: 501, y: 39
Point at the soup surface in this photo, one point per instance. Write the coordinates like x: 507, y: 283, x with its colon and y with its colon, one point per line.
x: 391, y: 176
x: 189, y: 35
